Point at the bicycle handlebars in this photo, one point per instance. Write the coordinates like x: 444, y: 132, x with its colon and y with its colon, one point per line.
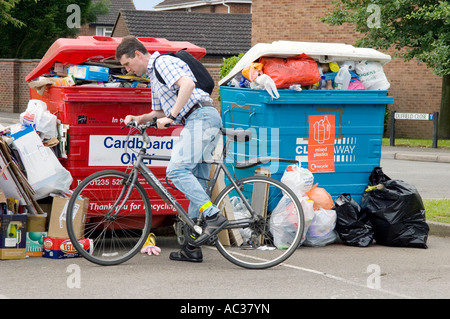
x: 143, y: 127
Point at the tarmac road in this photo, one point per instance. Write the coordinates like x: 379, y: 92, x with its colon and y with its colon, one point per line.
x: 432, y: 179
x: 331, y: 272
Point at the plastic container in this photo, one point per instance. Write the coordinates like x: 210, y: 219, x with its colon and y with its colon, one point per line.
x: 342, y: 79
x: 329, y: 132
x: 95, y: 114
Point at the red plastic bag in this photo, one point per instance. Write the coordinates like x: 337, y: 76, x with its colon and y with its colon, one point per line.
x: 301, y: 69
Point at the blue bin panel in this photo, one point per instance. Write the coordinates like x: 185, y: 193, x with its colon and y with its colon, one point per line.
x: 354, y: 124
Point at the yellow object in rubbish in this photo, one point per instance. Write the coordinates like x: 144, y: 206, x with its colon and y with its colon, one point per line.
x: 151, y: 240
x: 67, y: 81
x: 371, y: 188
x: 334, y: 67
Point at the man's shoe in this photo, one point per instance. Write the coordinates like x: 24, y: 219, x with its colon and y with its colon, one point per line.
x: 213, y: 225
x: 187, y: 254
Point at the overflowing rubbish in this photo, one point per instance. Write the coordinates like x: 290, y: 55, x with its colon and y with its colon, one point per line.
x: 396, y: 212
x: 88, y: 75
x: 317, y: 205
x: 303, y: 73
x: 353, y: 225
x: 310, y: 66
x: 391, y: 213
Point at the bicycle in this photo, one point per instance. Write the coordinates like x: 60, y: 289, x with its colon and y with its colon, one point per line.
x: 266, y: 219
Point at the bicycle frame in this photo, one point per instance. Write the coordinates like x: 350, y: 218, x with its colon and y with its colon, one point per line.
x: 140, y: 168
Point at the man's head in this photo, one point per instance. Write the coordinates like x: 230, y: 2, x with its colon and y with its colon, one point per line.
x: 133, y: 55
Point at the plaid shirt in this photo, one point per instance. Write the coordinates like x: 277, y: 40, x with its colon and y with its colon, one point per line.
x: 164, y: 97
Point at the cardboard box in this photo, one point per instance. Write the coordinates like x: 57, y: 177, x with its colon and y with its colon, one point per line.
x: 3, y: 203
x: 57, y: 225
x: 36, y: 231
x: 89, y: 72
x: 34, y: 244
x: 13, y: 236
x: 61, y: 248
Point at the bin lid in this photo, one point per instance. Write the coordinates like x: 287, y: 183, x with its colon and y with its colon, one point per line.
x: 322, y: 52
x: 94, y: 48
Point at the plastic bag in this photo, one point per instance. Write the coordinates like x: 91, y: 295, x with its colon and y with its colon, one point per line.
x: 308, y: 214
x: 252, y: 71
x: 372, y: 76
x: 297, y: 178
x: 241, y: 212
x: 265, y: 82
x: 44, y: 171
x: 352, y: 225
x: 356, y: 85
x: 321, y: 231
x: 321, y: 198
x: 283, y: 223
x: 396, y: 211
x: 37, y: 116
x: 301, y: 69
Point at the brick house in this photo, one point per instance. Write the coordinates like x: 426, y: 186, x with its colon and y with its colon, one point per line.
x: 105, y: 23
x: 226, y: 35
x: 414, y: 87
x: 206, y: 6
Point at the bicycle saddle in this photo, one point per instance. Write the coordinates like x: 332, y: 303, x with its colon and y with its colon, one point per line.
x: 237, y: 135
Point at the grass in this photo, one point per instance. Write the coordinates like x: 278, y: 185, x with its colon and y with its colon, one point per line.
x: 437, y: 210
x: 416, y: 142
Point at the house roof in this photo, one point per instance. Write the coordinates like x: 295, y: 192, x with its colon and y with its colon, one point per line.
x: 219, y: 34
x: 178, y: 4
x: 116, y: 5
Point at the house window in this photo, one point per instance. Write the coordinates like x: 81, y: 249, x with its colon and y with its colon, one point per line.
x: 104, y: 31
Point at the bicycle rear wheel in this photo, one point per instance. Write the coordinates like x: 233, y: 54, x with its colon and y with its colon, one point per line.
x: 273, y: 237
x: 116, y: 229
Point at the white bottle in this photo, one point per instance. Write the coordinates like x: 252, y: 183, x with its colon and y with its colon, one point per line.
x: 342, y: 79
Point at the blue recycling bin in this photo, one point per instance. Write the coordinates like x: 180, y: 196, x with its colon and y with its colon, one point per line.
x: 337, y: 135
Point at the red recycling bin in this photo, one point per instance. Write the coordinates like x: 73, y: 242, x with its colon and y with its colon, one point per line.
x: 94, y: 115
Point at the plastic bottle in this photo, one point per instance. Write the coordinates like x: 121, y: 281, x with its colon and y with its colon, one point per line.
x: 322, y: 82
x: 343, y: 78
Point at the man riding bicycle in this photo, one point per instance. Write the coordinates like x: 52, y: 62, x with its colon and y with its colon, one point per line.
x: 178, y: 101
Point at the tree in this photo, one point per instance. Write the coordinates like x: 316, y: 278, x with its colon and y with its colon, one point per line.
x: 5, y: 16
x: 33, y: 25
x: 414, y: 28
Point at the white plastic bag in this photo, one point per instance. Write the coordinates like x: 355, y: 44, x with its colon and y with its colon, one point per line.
x: 308, y: 214
x: 265, y: 82
x: 372, y: 76
x: 321, y: 231
x: 241, y: 212
x: 299, y: 179
x: 44, y: 171
x: 37, y: 116
x: 283, y: 223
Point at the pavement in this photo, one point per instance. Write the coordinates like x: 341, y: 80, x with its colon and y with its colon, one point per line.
x: 393, y: 152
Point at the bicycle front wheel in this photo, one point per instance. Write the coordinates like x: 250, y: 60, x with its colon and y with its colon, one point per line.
x: 118, y: 218
x: 273, y: 236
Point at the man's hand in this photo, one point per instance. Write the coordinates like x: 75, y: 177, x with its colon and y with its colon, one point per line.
x: 164, y: 122
x: 130, y: 118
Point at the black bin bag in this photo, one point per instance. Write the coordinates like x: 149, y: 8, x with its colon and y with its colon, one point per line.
x: 352, y: 225
x: 396, y: 212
